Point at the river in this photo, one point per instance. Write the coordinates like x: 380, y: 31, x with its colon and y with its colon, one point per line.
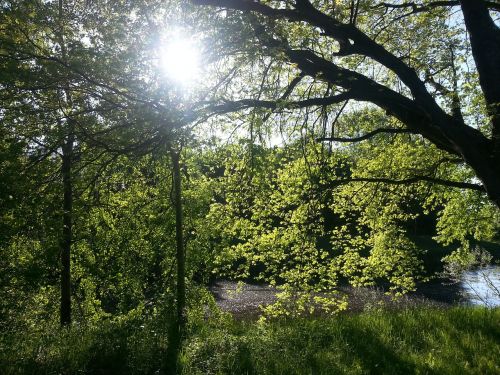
x: 482, y: 286
x: 477, y: 287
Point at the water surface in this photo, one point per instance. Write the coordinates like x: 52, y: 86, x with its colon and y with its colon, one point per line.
x: 482, y: 286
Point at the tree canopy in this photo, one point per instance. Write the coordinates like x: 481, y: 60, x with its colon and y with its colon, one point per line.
x: 405, y: 58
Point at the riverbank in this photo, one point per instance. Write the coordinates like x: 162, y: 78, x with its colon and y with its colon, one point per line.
x: 244, y: 300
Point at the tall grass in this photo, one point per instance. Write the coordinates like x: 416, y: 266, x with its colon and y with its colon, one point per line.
x: 128, y: 346
x: 414, y: 341
x: 417, y: 341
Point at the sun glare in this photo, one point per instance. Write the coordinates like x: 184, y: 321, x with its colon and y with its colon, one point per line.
x: 180, y: 60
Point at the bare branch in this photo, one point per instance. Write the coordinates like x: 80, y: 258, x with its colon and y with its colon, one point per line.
x: 286, y: 94
x: 231, y: 106
x: 423, y: 7
x: 367, y: 135
x: 416, y: 179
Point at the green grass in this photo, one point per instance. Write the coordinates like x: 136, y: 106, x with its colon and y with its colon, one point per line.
x: 107, y: 347
x: 416, y: 341
x: 424, y: 341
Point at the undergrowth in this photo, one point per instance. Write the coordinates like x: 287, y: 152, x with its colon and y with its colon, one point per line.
x: 462, y: 340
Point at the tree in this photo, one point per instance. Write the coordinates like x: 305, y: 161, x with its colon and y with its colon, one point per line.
x: 57, y: 104
x: 330, y: 42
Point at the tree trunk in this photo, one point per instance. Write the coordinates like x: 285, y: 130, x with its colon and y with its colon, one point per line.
x: 67, y: 230
x: 179, y: 241
x: 488, y: 171
x: 485, y: 43
x: 67, y: 160
x: 177, y: 328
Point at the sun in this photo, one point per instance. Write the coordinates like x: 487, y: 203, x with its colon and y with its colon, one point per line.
x: 180, y: 60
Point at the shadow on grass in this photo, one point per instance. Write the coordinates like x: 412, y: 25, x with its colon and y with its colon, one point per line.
x: 375, y: 355
x: 428, y: 341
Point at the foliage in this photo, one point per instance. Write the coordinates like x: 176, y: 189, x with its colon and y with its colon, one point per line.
x: 129, y: 343
x: 306, y: 218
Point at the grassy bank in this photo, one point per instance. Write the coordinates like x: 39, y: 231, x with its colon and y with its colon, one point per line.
x: 417, y: 341
x: 424, y: 341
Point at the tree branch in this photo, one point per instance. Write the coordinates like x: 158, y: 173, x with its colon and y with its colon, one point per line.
x: 351, y: 39
x: 364, y: 89
x: 420, y: 113
x: 416, y: 179
x: 251, y: 5
x: 231, y: 106
x: 423, y: 112
x: 367, y: 135
x: 422, y: 7
x: 286, y: 94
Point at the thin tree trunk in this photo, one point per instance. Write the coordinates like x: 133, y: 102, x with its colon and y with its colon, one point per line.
x: 179, y: 240
x: 177, y: 328
x: 67, y: 230
x: 67, y: 219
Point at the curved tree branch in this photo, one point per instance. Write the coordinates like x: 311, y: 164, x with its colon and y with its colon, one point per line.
x: 420, y: 113
x: 415, y: 179
x: 236, y: 105
x: 425, y: 113
x: 423, y: 7
x: 367, y: 135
